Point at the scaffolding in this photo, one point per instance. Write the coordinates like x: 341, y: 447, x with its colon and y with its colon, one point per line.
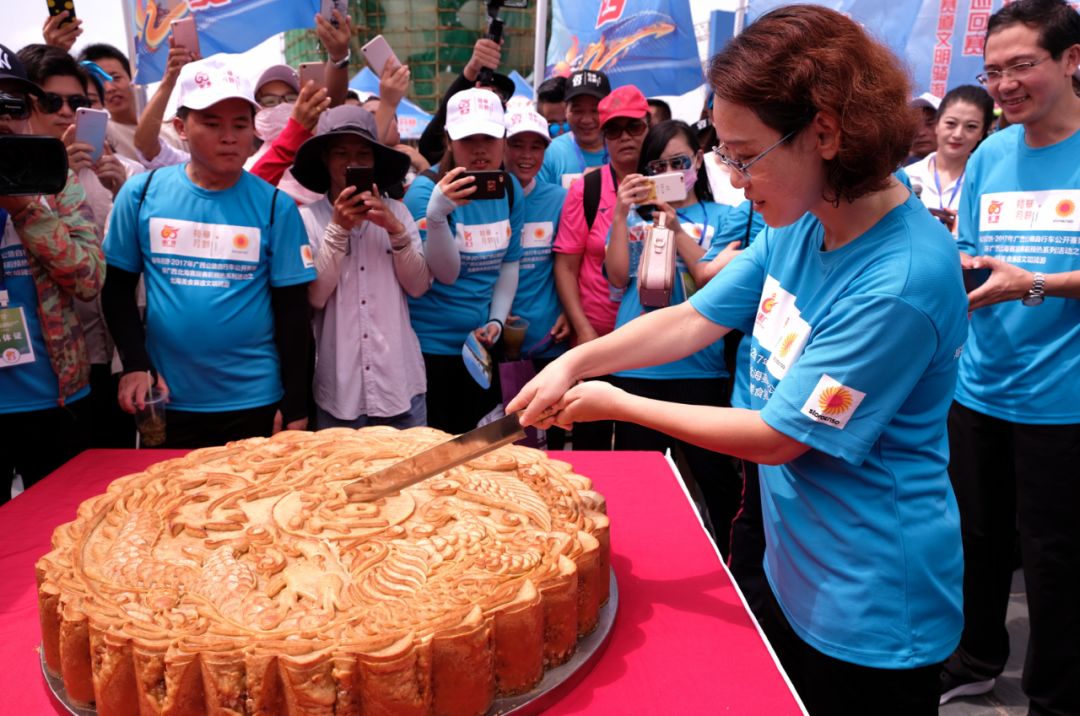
x: 433, y: 37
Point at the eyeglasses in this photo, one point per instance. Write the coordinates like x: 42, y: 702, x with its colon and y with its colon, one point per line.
x: 992, y: 77
x: 744, y: 167
x: 273, y: 100
x: 635, y: 128
x: 677, y: 163
x: 52, y: 103
x: 556, y: 128
x: 14, y: 106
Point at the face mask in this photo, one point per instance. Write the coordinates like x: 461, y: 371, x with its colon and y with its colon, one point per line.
x: 689, y: 178
x: 271, y: 121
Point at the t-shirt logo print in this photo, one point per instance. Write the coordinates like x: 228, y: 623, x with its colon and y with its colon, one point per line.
x: 785, y: 344
x: 993, y: 212
x: 1065, y: 208
x: 832, y: 403
x: 202, y: 80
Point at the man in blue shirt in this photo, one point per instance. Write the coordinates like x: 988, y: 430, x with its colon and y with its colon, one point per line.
x: 1014, y: 430
x: 225, y: 262
x: 570, y: 155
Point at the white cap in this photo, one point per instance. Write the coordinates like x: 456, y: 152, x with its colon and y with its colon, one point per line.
x: 475, y: 111
x: 207, y: 82
x: 526, y: 120
x: 519, y: 102
x: 927, y: 100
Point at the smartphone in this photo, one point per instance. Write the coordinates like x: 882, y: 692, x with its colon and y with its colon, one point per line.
x: 489, y: 185
x: 975, y: 277
x: 377, y: 54
x: 32, y: 165
x: 58, y: 6
x: 667, y: 187
x: 328, y: 7
x: 90, y: 128
x: 315, y: 71
x: 185, y: 35
x: 363, y: 178
x: 945, y: 216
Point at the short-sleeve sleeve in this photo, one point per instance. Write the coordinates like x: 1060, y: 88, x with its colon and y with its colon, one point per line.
x: 121, y: 245
x: 860, y: 366
x: 573, y: 231
x: 731, y: 297
x: 967, y: 214
x: 291, y: 260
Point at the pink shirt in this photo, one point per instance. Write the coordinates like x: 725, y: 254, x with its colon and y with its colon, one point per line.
x: 574, y: 237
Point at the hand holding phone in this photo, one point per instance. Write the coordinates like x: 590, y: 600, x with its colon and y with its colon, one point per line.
x: 90, y: 125
x: 327, y: 8
x: 58, y: 6
x: 185, y: 34
x: 667, y: 187
x: 489, y: 185
x: 363, y: 178
x: 312, y: 71
x: 378, y: 55
x: 975, y: 277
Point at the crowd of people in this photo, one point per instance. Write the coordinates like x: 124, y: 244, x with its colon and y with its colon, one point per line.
x: 865, y: 366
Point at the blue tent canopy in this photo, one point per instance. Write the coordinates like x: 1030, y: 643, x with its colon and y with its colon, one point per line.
x: 412, y: 120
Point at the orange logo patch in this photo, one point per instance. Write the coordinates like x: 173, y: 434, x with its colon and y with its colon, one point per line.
x: 240, y: 242
x: 1065, y: 208
x: 834, y: 400
x: 785, y: 344
x: 538, y: 233
x: 768, y: 304
x: 995, y: 207
x: 169, y: 232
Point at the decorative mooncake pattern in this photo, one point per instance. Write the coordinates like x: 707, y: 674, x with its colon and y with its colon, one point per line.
x: 240, y: 580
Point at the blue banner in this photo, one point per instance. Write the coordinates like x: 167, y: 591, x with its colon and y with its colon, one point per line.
x: 940, y: 40
x: 223, y: 26
x: 647, y: 43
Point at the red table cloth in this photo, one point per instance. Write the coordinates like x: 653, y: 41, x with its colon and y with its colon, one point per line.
x: 683, y: 640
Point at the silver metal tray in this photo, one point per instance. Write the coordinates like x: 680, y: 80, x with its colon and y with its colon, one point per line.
x: 556, y: 682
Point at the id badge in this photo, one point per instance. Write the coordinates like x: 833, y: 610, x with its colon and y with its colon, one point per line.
x: 15, y: 345
x: 477, y: 361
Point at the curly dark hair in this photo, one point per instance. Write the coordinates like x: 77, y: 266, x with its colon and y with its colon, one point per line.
x: 796, y: 61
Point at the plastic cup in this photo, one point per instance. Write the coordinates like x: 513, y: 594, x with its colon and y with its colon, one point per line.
x: 513, y: 336
x: 150, y: 419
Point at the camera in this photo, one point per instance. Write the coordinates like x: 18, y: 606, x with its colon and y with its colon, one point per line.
x: 495, y: 30
x: 32, y: 165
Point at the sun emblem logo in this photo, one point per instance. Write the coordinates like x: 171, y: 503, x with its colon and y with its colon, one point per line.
x: 834, y: 400
x: 768, y: 304
x: 785, y: 344
x: 1065, y: 208
x: 538, y: 233
x: 240, y: 242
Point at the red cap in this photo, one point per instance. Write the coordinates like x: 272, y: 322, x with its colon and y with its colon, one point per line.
x: 626, y: 101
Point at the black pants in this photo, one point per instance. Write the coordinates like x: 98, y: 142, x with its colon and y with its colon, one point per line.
x: 37, y: 442
x: 829, y: 686
x: 195, y: 430
x: 746, y: 560
x: 110, y: 427
x: 1007, y: 473
x: 456, y: 402
x: 713, y: 472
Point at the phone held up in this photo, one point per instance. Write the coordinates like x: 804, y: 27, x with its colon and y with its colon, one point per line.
x: 363, y: 178
x: 378, y: 55
x: 489, y: 184
x: 975, y: 277
x: 90, y: 127
x: 314, y: 71
x: 58, y: 6
x: 667, y: 187
x: 327, y: 10
x: 185, y: 35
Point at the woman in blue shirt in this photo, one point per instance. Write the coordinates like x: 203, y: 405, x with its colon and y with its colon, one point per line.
x: 473, y: 248
x: 700, y: 378
x: 855, y: 305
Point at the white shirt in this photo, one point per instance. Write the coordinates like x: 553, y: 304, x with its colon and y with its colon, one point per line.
x: 367, y: 358
x: 922, y: 172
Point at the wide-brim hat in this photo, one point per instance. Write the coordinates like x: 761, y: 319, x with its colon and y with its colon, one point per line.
x: 309, y: 168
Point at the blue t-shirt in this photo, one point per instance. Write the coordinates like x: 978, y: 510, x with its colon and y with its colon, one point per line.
x: 854, y: 354
x: 487, y: 234
x: 536, y: 299
x: 734, y: 229
x: 209, y: 259
x: 565, y: 160
x: 1022, y: 205
x: 24, y: 386
x: 702, y: 221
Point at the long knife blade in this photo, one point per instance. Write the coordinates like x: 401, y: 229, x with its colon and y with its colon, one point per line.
x: 442, y: 457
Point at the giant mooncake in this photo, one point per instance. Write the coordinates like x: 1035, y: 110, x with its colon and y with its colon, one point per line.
x: 239, y: 580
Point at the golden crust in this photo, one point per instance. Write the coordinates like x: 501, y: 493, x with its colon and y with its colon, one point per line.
x: 239, y: 580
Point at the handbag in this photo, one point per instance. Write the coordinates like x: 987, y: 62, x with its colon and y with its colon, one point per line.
x: 656, y: 270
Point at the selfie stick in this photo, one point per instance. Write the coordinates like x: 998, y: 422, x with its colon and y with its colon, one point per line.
x: 494, y: 33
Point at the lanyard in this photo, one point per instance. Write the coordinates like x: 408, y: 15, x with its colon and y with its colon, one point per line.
x: 955, y: 189
x: 581, y: 155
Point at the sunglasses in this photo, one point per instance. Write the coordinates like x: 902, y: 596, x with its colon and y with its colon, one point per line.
x: 677, y: 163
x: 555, y: 129
x: 635, y: 128
x: 273, y: 100
x: 14, y: 106
x: 52, y: 103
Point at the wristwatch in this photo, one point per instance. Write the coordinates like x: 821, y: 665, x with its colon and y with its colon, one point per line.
x: 1034, y: 296
x: 344, y: 61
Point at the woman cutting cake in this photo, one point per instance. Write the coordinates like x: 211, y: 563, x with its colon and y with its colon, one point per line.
x: 854, y: 301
